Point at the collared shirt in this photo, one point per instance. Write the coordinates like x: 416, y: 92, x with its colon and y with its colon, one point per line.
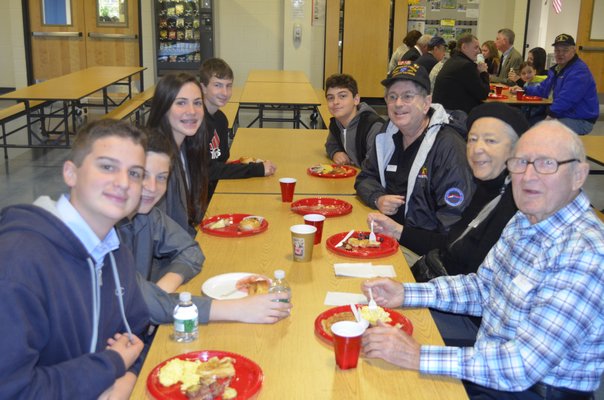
x: 540, y: 292
x: 97, y: 248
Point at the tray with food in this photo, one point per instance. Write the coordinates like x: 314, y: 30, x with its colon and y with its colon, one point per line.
x: 245, y: 160
x: 332, y: 171
x: 497, y: 96
x: 235, y: 285
x: 206, y: 374
x: 358, y: 245
x: 234, y: 225
x: 321, y: 205
x: 326, y: 319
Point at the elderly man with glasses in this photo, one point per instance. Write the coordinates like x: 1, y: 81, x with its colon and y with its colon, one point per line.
x: 417, y: 171
x: 575, y: 98
x: 539, y: 290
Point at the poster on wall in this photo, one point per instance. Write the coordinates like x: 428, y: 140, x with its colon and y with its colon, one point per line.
x: 297, y: 9
x: 417, y: 12
x: 416, y: 25
x: 448, y: 4
x: 318, y: 13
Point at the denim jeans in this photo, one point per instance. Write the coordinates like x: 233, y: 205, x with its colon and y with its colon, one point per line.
x: 579, y: 126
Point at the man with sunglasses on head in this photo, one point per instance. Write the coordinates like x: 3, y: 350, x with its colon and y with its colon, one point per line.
x: 539, y: 290
x: 417, y: 172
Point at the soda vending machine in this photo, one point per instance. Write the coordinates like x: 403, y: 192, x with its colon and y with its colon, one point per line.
x: 185, y: 34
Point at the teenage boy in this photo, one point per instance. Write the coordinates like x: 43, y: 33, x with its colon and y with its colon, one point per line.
x: 70, y: 303
x: 353, y: 127
x: 150, y: 234
x: 217, y: 85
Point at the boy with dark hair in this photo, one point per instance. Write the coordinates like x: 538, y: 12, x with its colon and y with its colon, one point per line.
x: 217, y: 85
x: 71, y: 305
x: 153, y: 236
x: 353, y: 127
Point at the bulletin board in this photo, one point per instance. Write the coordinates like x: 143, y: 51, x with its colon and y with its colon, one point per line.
x: 446, y: 18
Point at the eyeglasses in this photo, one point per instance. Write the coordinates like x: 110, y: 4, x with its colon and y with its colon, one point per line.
x: 406, y: 98
x: 543, y: 166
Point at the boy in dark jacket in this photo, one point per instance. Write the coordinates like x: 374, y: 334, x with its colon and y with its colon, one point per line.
x: 217, y: 84
x: 353, y: 127
x: 71, y: 306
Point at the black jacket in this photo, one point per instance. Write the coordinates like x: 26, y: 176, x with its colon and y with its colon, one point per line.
x: 459, y: 86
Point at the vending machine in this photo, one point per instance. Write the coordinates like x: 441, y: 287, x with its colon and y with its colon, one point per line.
x: 185, y: 34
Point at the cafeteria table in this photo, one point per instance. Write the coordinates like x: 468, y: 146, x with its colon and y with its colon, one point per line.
x: 295, y: 362
x: 293, y: 151
x: 511, y: 99
x: 279, y: 96
x: 269, y: 75
x: 594, y: 148
x: 70, y: 89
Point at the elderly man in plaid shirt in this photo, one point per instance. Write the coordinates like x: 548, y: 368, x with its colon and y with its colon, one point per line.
x: 539, y: 291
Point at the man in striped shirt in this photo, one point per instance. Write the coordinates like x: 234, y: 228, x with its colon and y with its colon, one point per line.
x: 539, y: 290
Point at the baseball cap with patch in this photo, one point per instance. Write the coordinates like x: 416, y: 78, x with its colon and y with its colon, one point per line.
x: 411, y: 72
x: 436, y: 41
x: 564, y: 39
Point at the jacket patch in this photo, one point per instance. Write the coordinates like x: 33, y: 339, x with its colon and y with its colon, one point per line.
x: 454, y: 197
x: 423, y: 173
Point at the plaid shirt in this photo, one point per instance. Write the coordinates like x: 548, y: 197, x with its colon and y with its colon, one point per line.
x: 540, y: 291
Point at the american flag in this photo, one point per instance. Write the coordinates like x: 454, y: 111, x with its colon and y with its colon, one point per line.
x: 557, y: 4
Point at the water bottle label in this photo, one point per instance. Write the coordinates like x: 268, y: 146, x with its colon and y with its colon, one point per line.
x: 185, y: 326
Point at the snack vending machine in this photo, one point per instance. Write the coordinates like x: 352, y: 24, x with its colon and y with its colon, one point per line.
x: 185, y: 34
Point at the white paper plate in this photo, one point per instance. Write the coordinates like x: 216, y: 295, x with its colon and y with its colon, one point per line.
x: 222, y: 287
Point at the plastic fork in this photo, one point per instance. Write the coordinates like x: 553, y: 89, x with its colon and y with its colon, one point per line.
x: 372, y: 237
x: 372, y: 304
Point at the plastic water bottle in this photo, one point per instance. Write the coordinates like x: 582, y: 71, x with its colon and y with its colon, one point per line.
x: 185, y: 319
x: 280, y: 285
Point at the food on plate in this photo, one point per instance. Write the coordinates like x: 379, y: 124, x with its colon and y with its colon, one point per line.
x: 249, y: 160
x: 253, y: 284
x: 321, y: 207
x: 343, y: 316
x: 200, y: 380
x: 250, y: 223
x: 361, y: 242
x: 221, y: 223
x: 326, y: 169
x: 375, y: 315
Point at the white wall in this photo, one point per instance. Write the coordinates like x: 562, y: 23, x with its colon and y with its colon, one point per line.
x: 12, y: 46
x: 496, y: 14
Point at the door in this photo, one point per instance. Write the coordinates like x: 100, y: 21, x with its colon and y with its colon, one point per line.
x: 365, y: 51
x: 57, y: 37
x: 70, y: 35
x: 112, y: 32
x: 590, y: 39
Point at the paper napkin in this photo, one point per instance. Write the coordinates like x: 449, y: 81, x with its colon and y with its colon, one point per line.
x: 364, y: 270
x: 343, y: 299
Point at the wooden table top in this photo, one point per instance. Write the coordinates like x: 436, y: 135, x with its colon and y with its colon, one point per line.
x: 236, y: 94
x: 293, y: 151
x: 295, y: 362
x: 269, y: 75
x: 279, y: 93
x: 75, y: 85
x: 594, y: 147
x: 230, y: 110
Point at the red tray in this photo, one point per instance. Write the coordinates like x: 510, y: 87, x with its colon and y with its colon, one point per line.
x: 321, y: 205
x: 397, y: 318
x: 247, y: 380
x: 233, y: 229
x: 497, y: 96
x: 531, y: 98
x: 389, y: 246
x: 350, y: 171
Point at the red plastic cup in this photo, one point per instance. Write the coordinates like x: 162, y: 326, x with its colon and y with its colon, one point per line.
x: 498, y: 90
x: 347, y: 343
x: 317, y: 221
x: 519, y: 94
x: 287, y: 189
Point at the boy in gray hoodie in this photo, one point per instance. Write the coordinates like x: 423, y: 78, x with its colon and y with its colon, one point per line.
x: 354, y: 125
